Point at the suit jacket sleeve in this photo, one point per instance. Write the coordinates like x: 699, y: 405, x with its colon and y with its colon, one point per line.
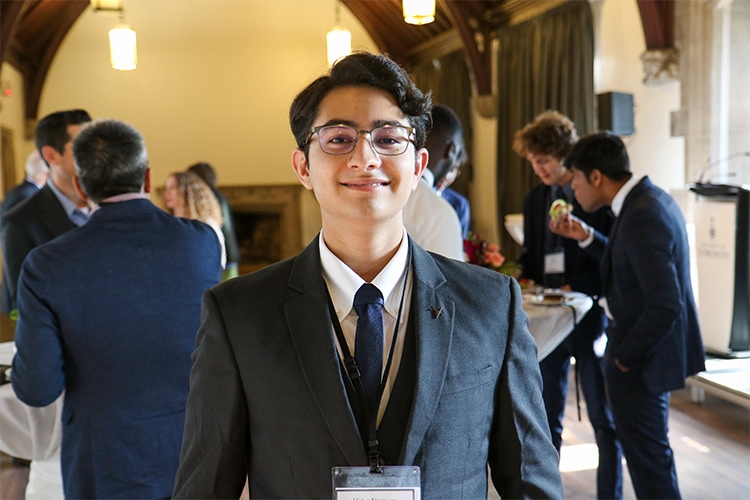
x: 16, y: 246
x: 213, y: 461
x: 38, y: 366
x: 520, y: 428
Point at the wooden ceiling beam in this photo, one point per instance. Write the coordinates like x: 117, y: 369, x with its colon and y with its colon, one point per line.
x: 658, y: 23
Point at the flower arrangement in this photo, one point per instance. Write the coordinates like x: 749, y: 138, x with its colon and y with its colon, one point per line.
x: 482, y: 253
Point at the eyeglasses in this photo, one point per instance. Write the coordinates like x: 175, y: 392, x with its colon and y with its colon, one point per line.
x: 388, y: 140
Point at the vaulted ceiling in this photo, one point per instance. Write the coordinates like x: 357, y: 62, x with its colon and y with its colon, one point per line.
x: 31, y: 32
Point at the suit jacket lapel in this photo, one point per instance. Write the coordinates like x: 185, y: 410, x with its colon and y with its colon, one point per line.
x: 434, y: 334
x: 312, y: 334
x: 54, y: 219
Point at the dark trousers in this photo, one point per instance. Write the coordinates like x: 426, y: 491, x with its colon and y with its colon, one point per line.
x: 555, y: 368
x: 642, y: 425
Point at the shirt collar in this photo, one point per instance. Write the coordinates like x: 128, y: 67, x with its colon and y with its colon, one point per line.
x: 343, y: 283
x: 619, y: 198
x: 67, y: 205
x: 428, y: 177
x: 126, y: 197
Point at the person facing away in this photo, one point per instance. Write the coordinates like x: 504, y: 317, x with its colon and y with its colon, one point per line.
x: 187, y: 195
x: 553, y: 261
x: 108, y: 314
x: 445, y: 143
x: 430, y: 220
x: 654, y: 337
x: 270, y: 398
x: 36, y: 175
x: 54, y: 209
x: 206, y: 172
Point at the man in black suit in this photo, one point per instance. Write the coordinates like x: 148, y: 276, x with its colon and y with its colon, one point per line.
x: 54, y: 209
x: 457, y: 385
x: 654, y: 337
x: 36, y: 175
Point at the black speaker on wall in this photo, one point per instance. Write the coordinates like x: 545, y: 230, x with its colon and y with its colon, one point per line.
x: 616, y: 112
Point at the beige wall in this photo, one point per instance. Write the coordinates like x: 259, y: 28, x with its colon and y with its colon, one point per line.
x: 215, y: 80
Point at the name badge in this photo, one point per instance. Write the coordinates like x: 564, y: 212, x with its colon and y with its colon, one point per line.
x: 393, y: 483
x: 554, y: 262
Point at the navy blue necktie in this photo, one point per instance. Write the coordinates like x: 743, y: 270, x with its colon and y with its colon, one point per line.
x: 368, y: 343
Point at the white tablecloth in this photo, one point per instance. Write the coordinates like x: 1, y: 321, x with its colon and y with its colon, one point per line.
x: 550, y: 324
x: 32, y: 434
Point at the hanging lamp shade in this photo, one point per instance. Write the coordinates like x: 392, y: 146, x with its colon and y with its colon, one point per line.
x: 418, y: 11
x: 107, y: 7
x: 339, y: 42
x: 122, y: 47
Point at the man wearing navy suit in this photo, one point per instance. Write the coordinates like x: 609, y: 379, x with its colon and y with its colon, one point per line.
x: 108, y: 313
x: 270, y: 399
x: 654, y: 337
x: 54, y: 209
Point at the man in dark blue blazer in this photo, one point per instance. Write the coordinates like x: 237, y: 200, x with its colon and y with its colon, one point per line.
x: 53, y: 210
x: 108, y: 313
x: 654, y: 337
x: 457, y: 385
x: 553, y: 261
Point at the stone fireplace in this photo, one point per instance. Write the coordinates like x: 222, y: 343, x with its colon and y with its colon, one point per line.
x: 272, y: 222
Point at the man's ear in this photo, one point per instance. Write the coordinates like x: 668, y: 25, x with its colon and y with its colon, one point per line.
x: 301, y: 167
x: 50, y: 155
x: 420, y: 164
x: 147, y: 181
x: 596, y: 177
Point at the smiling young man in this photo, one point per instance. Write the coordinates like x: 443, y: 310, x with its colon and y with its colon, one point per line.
x: 280, y: 393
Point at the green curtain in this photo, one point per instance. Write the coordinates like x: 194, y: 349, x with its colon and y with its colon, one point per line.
x: 448, y: 79
x: 544, y: 63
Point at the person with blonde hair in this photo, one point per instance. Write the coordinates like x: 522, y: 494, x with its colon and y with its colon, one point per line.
x: 187, y: 195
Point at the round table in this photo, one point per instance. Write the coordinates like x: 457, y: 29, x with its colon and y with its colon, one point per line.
x: 32, y: 434
x: 551, y: 323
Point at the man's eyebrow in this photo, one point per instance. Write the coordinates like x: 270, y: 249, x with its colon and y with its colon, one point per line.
x: 375, y: 124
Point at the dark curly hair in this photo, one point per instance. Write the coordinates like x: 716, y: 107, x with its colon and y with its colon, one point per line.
x: 365, y: 70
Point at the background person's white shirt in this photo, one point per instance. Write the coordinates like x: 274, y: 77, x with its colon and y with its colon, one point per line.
x: 432, y: 222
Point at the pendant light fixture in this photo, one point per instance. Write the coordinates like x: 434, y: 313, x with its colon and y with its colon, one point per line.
x: 418, y: 11
x: 122, y: 48
x: 338, y: 39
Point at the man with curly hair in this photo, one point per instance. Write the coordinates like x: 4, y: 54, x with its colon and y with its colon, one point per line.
x: 556, y: 262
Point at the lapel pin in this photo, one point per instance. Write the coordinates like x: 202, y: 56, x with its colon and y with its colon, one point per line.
x: 436, y: 311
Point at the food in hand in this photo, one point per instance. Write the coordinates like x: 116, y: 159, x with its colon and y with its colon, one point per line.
x: 559, y: 208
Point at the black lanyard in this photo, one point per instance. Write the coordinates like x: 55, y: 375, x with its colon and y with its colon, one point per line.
x: 352, y: 371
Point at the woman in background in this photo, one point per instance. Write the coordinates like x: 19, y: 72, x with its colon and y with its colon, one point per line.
x: 187, y: 196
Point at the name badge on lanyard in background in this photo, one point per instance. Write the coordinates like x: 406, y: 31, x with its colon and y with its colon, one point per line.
x: 554, y: 261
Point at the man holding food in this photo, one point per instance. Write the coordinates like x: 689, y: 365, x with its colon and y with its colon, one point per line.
x: 556, y: 262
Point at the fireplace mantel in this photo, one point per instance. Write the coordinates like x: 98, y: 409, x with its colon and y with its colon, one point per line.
x: 272, y: 221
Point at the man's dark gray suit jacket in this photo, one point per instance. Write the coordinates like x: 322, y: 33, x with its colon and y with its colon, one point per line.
x: 268, y: 399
